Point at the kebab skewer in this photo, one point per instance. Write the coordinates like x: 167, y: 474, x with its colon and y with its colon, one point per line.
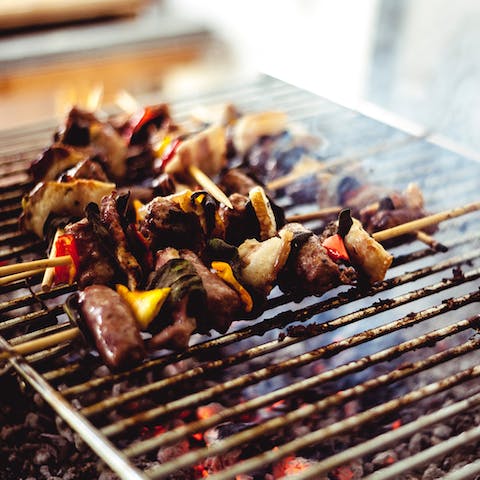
x: 437, y: 218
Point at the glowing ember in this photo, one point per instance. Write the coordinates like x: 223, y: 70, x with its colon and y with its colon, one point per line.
x: 198, y: 436
x: 206, y: 411
x: 148, y: 432
x: 290, y: 466
x: 396, y: 424
x: 344, y: 473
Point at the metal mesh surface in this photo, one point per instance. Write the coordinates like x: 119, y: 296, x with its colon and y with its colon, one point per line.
x: 408, y: 340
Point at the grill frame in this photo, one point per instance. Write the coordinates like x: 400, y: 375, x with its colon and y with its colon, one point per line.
x: 314, y: 112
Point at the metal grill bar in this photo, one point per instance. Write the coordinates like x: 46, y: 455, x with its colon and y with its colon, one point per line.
x: 391, y: 353
x: 335, y: 429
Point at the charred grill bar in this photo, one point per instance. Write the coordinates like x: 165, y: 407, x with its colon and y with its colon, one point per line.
x: 321, y: 380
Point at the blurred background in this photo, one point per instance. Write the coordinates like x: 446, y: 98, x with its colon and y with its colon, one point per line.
x: 410, y: 62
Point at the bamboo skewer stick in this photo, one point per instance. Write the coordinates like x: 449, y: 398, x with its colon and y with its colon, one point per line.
x: 34, y: 265
x: 430, y: 241
x: 19, y: 276
x: 50, y: 271
x: 318, y: 214
x: 38, y: 344
x: 207, y: 183
x: 424, y: 222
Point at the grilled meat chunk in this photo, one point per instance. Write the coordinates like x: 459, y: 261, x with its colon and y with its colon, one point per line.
x: 86, y: 169
x: 236, y: 181
x: 309, y: 269
x: 112, y: 326
x: 64, y: 199
x: 206, y: 150
x: 240, y: 222
x: 261, y: 262
x: 223, y: 303
x: 366, y: 253
x: 166, y: 224
x: 55, y: 160
x: 250, y: 128
x: 178, y: 319
x: 112, y: 221
x: 97, y: 139
x: 95, y: 265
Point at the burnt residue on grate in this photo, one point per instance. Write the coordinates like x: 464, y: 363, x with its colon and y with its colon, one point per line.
x: 336, y: 387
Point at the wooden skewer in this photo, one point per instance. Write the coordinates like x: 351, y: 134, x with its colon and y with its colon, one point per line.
x: 47, y: 281
x: 318, y: 214
x: 424, y: 222
x: 207, y: 184
x: 34, y: 265
x: 38, y: 344
x: 19, y: 276
x: 430, y: 241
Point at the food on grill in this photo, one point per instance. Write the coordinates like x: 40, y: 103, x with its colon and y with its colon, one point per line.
x: 310, y: 269
x: 249, y: 128
x: 183, y: 262
x: 112, y: 326
x: 61, y: 199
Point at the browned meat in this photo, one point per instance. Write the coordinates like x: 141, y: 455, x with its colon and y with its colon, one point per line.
x: 178, y: 319
x: 55, y: 160
x: 60, y: 199
x: 112, y: 326
x: 97, y: 139
x: 95, y: 264
x: 87, y: 169
x: 111, y: 220
x: 240, y: 222
x: 236, y: 181
x: 309, y: 269
x: 383, y: 219
x: 178, y: 333
x: 166, y: 224
x: 223, y: 303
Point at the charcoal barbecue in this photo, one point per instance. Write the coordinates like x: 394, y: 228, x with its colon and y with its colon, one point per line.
x: 331, y: 387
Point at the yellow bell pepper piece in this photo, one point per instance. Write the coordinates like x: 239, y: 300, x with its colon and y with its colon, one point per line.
x: 224, y: 271
x: 139, y: 210
x: 159, y: 148
x: 145, y: 305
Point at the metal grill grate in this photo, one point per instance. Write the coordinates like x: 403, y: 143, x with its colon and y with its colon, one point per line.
x: 406, y: 340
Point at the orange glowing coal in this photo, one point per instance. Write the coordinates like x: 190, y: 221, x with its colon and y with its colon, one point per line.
x: 290, y: 465
x: 206, y: 411
x: 396, y: 424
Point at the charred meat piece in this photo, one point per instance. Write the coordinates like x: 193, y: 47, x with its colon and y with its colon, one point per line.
x: 206, y: 150
x: 55, y: 160
x: 112, y: 326
x: 166, y: 224
x: 223, y: 303
x: 186, y: 301
x: 261, y: 262
x: 113, y: 222
x: 366, y: 253
x: 97, y: 139
x: 62, y: 199
x: 250, y: 128
x: 240, y: 222
x: 95, y: 265
x: 86, y: 169
x: 235, y: 180
x: 309, y: 269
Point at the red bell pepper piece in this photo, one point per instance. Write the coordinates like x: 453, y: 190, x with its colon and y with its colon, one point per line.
x: 65, y: 245
x: 336, y: 248
x: 168, y: 156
